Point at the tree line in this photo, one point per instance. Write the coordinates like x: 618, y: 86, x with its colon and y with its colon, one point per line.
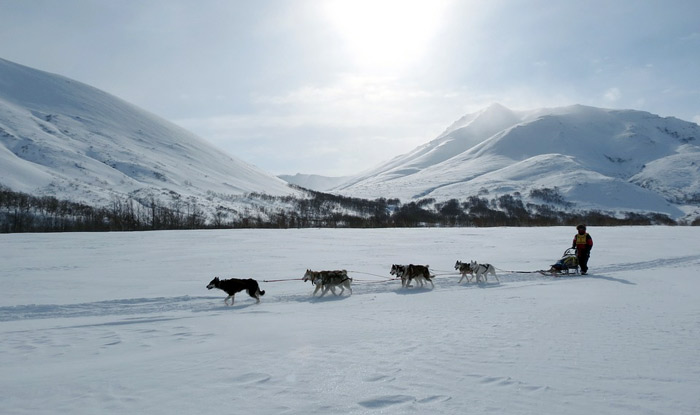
x: 21, y: 212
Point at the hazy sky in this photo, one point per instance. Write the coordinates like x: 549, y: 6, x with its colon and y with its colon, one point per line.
x: 335, y: 87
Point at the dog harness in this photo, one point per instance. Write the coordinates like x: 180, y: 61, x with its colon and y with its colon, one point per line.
x: 485, y: 267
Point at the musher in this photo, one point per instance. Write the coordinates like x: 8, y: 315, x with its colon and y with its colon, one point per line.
x: 583, y: 244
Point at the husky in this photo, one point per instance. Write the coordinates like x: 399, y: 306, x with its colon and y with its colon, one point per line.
x: 481, y: 271
x: 400, y: 272
x: 420, y: 273
x: 464, y: 269
x: 234, y: 285
x: 328, y: 280
x: 410, y: 272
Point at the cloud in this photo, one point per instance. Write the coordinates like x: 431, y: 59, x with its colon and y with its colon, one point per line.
x: 351, y: 124
x: 274, y: 83
x: 351, y: 100
x: 612, y: 95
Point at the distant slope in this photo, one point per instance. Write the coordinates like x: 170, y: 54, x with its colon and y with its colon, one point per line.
x: 620, y: 160
x: 462, y: 135
x: 63, y: 138
x: 314, y: 181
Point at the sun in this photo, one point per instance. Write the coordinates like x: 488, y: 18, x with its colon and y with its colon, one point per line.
x: 385, y: 34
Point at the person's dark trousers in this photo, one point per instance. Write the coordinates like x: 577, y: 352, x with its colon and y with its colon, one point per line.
x: 583, y: 262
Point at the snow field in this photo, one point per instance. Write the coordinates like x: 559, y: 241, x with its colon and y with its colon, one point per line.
x: 122, y: 322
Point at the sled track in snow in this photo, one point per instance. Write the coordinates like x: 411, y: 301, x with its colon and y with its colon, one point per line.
x: 130, y: 306
x: 655, y: 264
x: 196, y: 304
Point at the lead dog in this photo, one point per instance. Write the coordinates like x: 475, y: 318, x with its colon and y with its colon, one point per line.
x: 464, y: 269
x: 328, y: 280
x: 409, y: 272
x: 235, y: 285
x: 481, y: 271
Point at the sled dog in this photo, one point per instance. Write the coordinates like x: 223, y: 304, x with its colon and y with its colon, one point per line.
x: 234, y: 285
x: 328, y: 280
x: 464, y: 268
x: 400, y: 272
x: 481, y: 271
x: 410, y: 272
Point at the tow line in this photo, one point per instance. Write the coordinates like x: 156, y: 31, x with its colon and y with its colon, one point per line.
x: 385, y: 279
x: 284, y: 279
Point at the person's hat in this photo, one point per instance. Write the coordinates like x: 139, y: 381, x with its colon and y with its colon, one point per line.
x: 581, y: 226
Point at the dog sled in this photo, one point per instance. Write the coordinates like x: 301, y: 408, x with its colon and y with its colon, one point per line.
x: 566, y: 265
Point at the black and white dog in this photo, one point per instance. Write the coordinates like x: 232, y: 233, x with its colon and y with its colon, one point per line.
x: 464, y: 268
x: 235, y: 285
x: 411, y: 272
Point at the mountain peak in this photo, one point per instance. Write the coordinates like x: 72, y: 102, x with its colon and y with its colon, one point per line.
x: 495, y: 107
x: 612, y: 153
x: 494, y: 116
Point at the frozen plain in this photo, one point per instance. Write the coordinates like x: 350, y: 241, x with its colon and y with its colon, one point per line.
x: 117, y: 323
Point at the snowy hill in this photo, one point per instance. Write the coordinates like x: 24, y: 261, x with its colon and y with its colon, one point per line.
x: 616, y: 160
x: 66, y: 139
x: 62, y: 138
x: 314, y: 181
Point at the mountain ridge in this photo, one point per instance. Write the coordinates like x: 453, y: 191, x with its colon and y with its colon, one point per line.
x: 608, y: 153
x: 63, y: 138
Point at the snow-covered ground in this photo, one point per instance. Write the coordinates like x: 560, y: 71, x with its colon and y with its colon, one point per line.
x: 117, y: 323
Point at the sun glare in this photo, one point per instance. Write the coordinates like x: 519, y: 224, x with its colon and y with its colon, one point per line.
x: 385, y: 34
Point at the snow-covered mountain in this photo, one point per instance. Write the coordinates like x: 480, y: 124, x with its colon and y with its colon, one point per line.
x: 613, y: 160
x: 314, y: 181
x: 63, y: 138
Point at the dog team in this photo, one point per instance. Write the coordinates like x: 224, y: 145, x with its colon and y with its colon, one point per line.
x: 330, y: 280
